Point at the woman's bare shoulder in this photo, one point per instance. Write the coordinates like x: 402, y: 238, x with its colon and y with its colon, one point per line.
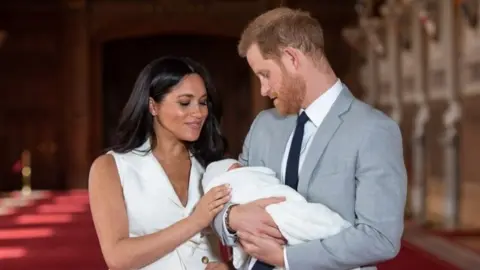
x: 104, y: 168
x: 103, y: 162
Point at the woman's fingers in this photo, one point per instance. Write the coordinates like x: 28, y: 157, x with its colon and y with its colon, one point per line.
x: 219, y: 203
x: 217, y: 209
x: 221, y: 191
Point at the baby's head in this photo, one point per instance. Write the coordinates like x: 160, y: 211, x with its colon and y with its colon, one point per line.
x: 217, y: 168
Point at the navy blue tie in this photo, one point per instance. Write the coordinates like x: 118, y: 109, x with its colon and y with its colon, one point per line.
x: 291, y: 174
x: 293, y: 161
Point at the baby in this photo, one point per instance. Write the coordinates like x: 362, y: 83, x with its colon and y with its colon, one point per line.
x: 298, y: 220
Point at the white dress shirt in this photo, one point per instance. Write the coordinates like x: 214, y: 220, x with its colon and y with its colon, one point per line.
x: 316, y: 112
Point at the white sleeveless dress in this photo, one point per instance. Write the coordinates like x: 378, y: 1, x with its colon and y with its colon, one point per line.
x: 153, y: 205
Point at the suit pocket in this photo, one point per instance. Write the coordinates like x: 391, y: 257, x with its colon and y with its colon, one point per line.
x: 332, y: 166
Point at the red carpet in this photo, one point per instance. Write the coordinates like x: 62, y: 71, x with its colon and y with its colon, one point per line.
x: 410, y: 257
x: 56, y: 232
x: 52, y: 233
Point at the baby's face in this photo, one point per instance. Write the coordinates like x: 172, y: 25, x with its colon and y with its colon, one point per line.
x: 234, y: 166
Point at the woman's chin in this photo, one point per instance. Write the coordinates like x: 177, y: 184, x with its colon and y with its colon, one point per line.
x: 190, y: 137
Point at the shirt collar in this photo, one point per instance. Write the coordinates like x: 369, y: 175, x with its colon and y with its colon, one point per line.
x: 320, y: 106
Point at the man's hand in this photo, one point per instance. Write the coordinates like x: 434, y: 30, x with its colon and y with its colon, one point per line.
x: 253, y: 219
x: 264, y: 249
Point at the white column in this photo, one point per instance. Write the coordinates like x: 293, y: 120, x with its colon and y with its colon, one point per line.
x: 453, y: 113
x: 373, y: 86
x: 391, y: 12
x: 422, y: 116
x: 374, y: 48
x: 372, y: 52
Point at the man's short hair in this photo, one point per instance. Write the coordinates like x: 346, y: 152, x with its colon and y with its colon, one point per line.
x: 283, y: 27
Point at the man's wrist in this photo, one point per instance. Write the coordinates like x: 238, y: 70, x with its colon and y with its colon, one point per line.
x: 227, y: 219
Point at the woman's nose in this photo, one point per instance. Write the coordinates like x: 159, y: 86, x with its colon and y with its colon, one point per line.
x: 197, y: 112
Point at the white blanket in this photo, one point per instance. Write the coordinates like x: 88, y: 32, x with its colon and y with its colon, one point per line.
x: 298, y: 220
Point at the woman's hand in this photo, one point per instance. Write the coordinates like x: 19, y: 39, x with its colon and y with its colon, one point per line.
x: 210, y: 205
x: 217, y: 266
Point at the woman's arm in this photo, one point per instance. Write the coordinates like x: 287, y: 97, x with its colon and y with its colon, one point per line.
x: 110, y: 219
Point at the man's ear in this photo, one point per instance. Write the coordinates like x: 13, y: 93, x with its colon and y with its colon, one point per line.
x: 291, y: 58
x: 152, y: 107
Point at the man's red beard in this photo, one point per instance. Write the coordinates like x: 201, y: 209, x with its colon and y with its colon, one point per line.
x: 289, y: 98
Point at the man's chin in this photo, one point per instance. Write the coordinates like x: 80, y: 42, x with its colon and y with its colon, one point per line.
x: 284, y: 110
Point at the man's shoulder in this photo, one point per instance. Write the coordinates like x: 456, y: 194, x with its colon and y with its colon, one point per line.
x: 365, y: 115
x: 269, y: 118
x: 270, y: 115
x: 268, y: 122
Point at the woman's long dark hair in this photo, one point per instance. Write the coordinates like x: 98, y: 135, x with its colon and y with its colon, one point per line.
x: 156, y: 80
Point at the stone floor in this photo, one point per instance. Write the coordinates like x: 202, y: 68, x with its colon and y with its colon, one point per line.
x: 469, y: 204
x: 470, y: 242
x: 461, y: 247
x: 442, y: 247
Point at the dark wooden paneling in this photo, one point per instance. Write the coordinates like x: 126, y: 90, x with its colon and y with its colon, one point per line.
x: 124, y: 59
x: 35, y: 63
x: 31, y: 103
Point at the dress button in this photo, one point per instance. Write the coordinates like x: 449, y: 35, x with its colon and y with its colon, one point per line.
x: 205, y: 259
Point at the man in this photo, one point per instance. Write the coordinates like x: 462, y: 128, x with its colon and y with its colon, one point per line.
x: 323, y: 142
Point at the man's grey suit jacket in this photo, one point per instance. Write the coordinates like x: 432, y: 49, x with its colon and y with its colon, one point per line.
x: 355, y: 166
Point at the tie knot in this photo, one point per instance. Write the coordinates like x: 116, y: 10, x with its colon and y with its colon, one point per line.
x: 302, y: 118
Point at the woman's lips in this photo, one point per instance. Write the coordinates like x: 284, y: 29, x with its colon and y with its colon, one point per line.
x: 194, y: 125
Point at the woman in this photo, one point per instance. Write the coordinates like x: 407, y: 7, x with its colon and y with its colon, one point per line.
x: 145, y: 193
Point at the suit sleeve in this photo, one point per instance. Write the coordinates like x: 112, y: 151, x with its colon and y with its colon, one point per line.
x: 379, y: 208
x: 219, y: 221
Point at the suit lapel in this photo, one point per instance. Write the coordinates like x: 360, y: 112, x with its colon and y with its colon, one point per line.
x: 322, y: 137
x: 280, y: 142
